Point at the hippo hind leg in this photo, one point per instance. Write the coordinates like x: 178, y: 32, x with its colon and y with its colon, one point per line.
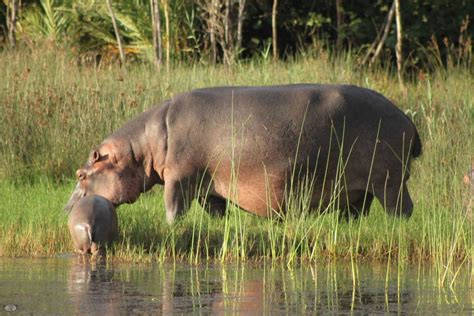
x: 214, y: 205
x: 360, y: 206
x: 395, y: 199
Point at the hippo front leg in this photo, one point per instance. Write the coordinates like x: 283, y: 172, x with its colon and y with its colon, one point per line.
x: 177, y: 198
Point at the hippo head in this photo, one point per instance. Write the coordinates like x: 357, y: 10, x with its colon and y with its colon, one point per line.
x: 113, y: 171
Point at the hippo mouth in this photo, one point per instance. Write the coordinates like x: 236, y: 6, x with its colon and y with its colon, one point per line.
x: 76, y: 195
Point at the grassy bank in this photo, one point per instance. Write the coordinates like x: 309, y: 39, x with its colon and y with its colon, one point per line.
x: 53, y: 112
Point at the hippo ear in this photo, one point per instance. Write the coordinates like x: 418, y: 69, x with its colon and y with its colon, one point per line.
x: 95, y: 156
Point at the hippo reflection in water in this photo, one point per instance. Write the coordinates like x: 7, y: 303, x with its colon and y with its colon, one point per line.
x: 255, y: 146
x: 93, y: 224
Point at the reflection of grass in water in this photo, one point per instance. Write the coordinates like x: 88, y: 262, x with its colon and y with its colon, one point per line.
x: 262, y: 288
x: 50, y: 121
x: 327, y: 288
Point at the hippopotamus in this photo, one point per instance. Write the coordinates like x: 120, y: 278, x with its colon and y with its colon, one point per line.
x: 255, y: 147
x: 93, y: 224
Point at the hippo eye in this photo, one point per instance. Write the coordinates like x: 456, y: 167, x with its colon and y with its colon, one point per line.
x: 81, y: 174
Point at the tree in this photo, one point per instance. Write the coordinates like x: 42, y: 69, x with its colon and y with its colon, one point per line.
x: 156, y: 25
x: 380, y: 40
x: 399, y: 46
x: 211, y: 9
x: 12, y: 17
x: 166, y: 7
x: 224, y: 23
x: 274, y: 30
x: 339, y: 22
x: 117, y: 33
x: 240, y: 23
x: 232, y: 40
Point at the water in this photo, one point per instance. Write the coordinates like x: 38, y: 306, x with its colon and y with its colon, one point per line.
x: 66, y: 285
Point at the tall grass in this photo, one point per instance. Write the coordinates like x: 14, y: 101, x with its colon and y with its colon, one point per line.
x: 54, y: 111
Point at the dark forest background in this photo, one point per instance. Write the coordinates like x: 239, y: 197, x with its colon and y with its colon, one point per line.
x: 435, y: 32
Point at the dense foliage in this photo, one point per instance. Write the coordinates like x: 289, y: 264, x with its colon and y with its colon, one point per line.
x: 434, y: 30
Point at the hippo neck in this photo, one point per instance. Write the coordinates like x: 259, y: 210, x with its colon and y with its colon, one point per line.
x: 136, y: 133
x: 143, y: 154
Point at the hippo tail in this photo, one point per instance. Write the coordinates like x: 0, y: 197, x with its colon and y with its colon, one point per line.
x: 416, y: 147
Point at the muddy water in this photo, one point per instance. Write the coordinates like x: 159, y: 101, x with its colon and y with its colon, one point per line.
x: 68, y: 286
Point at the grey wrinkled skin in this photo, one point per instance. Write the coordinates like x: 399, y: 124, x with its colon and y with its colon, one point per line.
x: 93, y: 224
x: 256, y: 145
